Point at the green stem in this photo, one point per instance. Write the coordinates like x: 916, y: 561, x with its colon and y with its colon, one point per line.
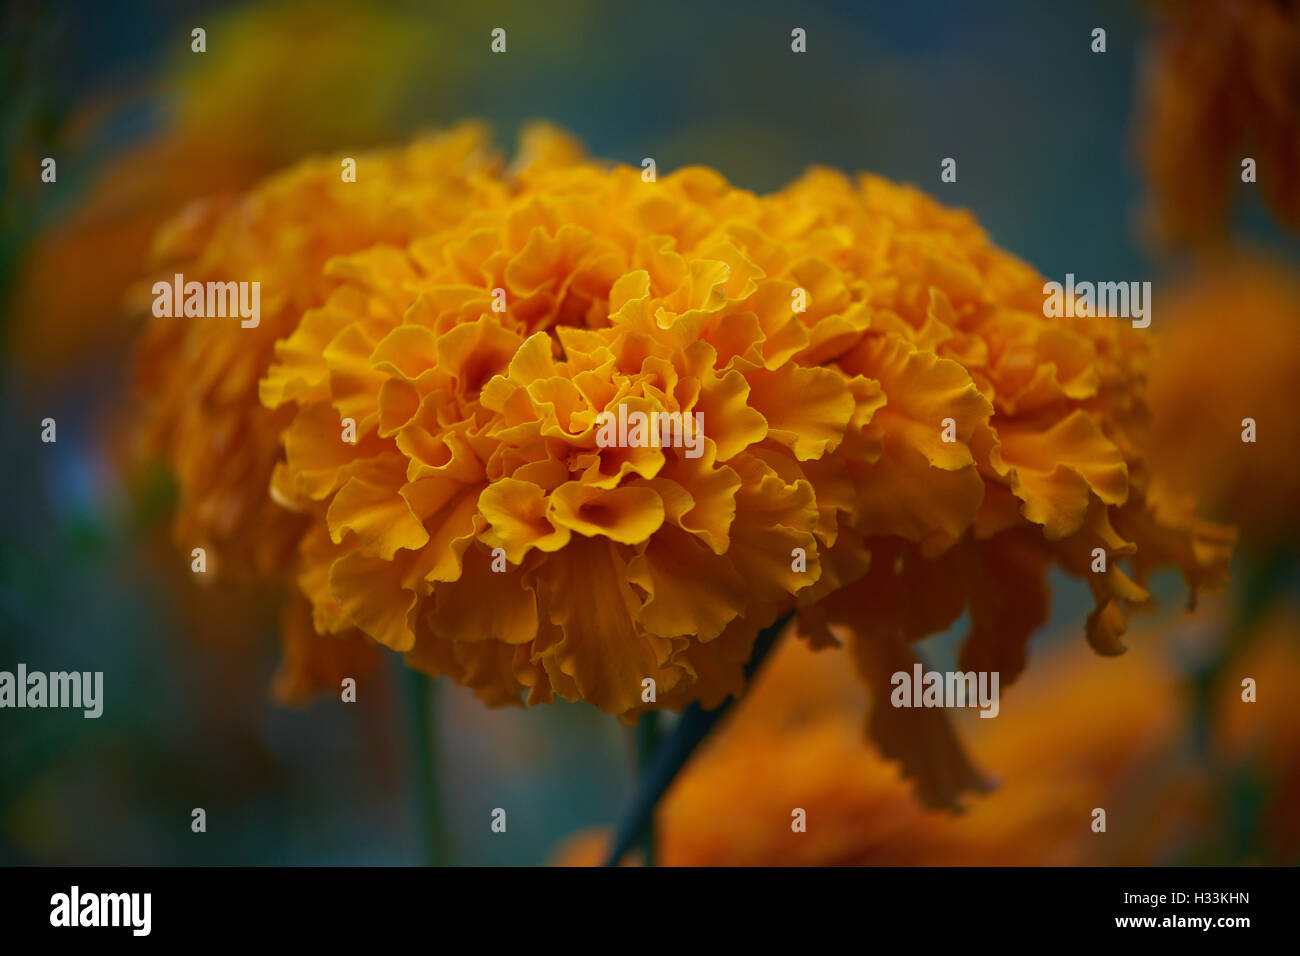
x: 421, y: 699
x: 647, y: 742
x: 668, y: 760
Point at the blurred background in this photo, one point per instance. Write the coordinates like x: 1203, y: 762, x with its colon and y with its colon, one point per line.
x: 1059, y: 156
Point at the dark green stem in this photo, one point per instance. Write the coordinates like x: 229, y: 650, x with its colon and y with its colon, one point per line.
x: 421, y: 699
x: 647, y: 743
x: 687, y: 735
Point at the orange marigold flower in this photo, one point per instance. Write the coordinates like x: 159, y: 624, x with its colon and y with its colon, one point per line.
x: 1222, y: 83
x: 891, y: 430
x: 478, y: 435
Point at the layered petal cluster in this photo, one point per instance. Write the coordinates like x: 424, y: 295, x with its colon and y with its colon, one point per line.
x: 891, y: 432
x: 479, y: 524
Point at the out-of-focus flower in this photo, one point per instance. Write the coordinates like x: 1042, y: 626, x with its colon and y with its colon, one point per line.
x: 1227, y: 372
x: 278, y: 81
x: 1081, y: 732
x: 1222, y: 83
x: 1233, y: 353
x: 892, y: 431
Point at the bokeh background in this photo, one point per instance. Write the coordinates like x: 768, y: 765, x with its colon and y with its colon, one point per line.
x: 1048, y: 138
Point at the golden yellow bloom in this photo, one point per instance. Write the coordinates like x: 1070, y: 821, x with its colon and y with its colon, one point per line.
x: 1222, y: 83
x: 477, y: 431
x: 891, y: 430
x: 1233, y: 355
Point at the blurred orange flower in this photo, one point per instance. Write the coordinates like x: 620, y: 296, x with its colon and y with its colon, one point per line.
x: 1080, y: 732
x: 1222, y: 84
x: 1232, y: 354
x: 230, y: 116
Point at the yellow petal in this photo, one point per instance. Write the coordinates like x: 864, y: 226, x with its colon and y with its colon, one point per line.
x: 516, y: 512
x: 628, y: 514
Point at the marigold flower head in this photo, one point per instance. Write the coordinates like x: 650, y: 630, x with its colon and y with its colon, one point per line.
x: 892, y: 430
